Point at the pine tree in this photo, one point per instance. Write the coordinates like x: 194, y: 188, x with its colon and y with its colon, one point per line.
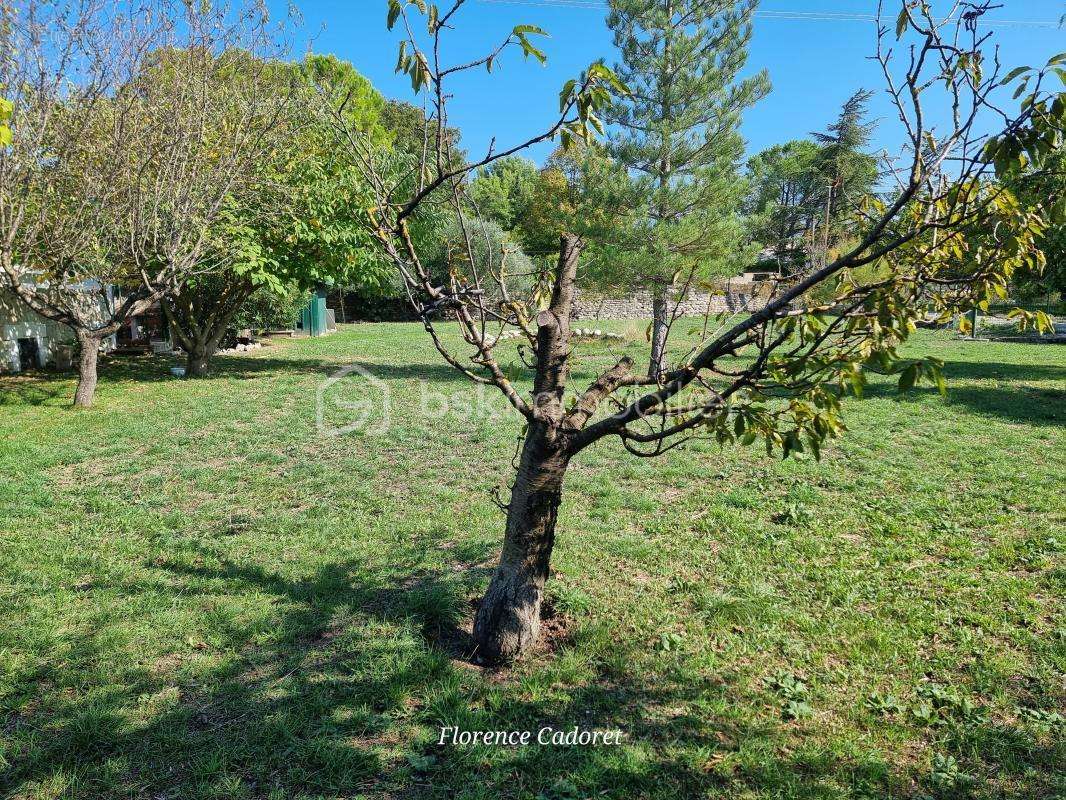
x: 678, y: 135
x: 846, y: 172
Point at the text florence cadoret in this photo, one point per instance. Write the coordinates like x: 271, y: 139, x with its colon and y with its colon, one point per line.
x: 575, y: 736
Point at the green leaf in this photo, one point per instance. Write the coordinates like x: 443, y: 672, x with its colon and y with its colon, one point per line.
x: 394, y: 13
x: 901, y: 22
x: 520, y: 30
x: 1057, y: 59
x: 529, y: 50
x: 566, y: 93
x: 1014, y: 73
x: 858, y: 382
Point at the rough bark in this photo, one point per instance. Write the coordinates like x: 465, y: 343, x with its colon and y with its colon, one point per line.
x: 508, y: 620
x: 87, y: 370
x: 660, y: 325
x: 197, y: 360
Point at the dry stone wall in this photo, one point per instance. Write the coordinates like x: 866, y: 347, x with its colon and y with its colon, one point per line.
x: 638, y: 305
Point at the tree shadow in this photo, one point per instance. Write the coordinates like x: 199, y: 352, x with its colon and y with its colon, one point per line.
x: 307, y: 711
x: 55, y: 388
x: 1036, y: 396
x: 38, y: 389
x: 999, y: 370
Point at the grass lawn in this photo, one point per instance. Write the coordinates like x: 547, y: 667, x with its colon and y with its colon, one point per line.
x: 201, y: 597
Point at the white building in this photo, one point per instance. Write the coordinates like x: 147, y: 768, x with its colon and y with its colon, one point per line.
x: 28, y: 340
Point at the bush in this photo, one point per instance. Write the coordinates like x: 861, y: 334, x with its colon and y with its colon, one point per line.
x: 268, y: 310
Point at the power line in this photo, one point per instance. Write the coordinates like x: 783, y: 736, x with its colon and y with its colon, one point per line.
x: 810, y: 16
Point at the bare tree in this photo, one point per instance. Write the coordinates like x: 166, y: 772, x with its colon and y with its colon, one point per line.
x: 947, y: 235
x: 126, y: 142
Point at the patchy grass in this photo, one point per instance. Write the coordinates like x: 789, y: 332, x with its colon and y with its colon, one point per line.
x: 204, y: 598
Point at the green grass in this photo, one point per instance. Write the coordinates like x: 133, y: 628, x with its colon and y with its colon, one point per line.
x: 202, y: 598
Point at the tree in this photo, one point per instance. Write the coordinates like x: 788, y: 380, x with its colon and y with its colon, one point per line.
x: 582, y: 190
x: 1037, y: 186
x: 947, y: 236
x: 503, y: 191
x: 678, y: 133
x: 783, y: 199
x: 115, y: 173
x: 297, y: 225
x: 472, y: 245
x: 845, y: 173
x: 268, y: 309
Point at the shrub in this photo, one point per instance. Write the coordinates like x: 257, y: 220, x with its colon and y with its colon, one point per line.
x: 269, y: 310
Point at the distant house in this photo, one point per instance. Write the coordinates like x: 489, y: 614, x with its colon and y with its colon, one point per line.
x: 29, y: 341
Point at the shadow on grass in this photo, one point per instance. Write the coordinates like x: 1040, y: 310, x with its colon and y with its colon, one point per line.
x: 327, y: 698
x: 998, y: 370
x: 35, y: 389
x: 1018, y: 401
x: 57, y: 388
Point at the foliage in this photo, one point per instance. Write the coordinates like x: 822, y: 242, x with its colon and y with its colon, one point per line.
x: 493, y: 251
x: 6, y: 107
x: 303, y: 222
x: 678, y: 129
x: 677, y: 133
x: 270, y: 309
x: 581, y: 190
x: 803, y: 195
x: 131, y: 137
x: 503, y: 191
x: 782, y: 200
x: 405, y: 126
x: 846, y: 173
x: 1041, y: 187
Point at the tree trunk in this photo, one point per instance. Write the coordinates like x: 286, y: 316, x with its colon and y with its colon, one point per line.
x: 508, y: 619
x: 660, y: 324
x: 197, y: 359
x: 87, y: 375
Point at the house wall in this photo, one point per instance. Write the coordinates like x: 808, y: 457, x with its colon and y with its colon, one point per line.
x: 18, y: 321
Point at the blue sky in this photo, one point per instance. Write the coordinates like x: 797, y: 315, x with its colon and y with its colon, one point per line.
x: 814, y: 65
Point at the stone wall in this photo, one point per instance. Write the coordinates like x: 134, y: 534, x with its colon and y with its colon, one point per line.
x: 737, y: 296
x: 740, y: 296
